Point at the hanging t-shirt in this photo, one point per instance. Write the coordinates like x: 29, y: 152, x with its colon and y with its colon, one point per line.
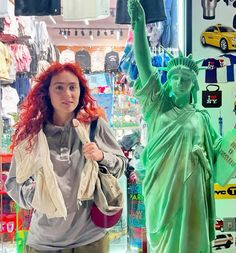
x: 37, y: 8
x: 97, y: 61
x: 111, y: 61
x: 10, y: 99
x: 84, y: 59
x: 231, y: 69
x: 210, y: 73
x: 154, y: 11
x: 67, y: 55
x: 221, y: 72
x: 4, y: 8
x: 89, y: 9
x: 5, y: 62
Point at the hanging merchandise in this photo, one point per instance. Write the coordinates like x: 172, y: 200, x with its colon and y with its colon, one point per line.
x: 106, y: 102
x: 4, y: 10
x: 67, y: 55
x: 90, y: 9
x: 127, y: 63
x: 231, y: 69
x: 212, y: 98
x: 37, y: 8
x: 161, y: 60
x: 210, y: 74
x: 83, y: 57
x: 222, y: 70
x: 22, y: 85
x: 1, y: 25
x: 150, y: 7
x: 97, y: 60
x: 111, y: 61
x: 5, y: 62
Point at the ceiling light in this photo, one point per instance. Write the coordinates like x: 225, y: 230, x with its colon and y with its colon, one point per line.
x: 91, y: 35
x: 86, y: 22
x: 52, y: 19
x: 118, y: 35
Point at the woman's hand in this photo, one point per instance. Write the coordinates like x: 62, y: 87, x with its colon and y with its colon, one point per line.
x: 136, y: 12
x: 92, y: 152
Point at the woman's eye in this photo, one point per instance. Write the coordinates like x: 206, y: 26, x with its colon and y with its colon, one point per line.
x: 59, y: 87
x: 72, y: 88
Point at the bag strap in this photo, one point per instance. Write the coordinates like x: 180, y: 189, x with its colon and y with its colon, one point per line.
x: 93, y: 127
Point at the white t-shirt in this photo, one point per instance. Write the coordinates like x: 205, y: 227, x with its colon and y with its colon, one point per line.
x: 67, y: 55
x: 10, y: 99
x: 97, y: 60
x: 221, y: 72
x: 89, y: 9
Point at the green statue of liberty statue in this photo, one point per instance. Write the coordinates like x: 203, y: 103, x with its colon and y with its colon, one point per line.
x: 184, y: 155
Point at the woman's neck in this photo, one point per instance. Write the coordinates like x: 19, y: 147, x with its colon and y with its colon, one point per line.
x: 61, y: 120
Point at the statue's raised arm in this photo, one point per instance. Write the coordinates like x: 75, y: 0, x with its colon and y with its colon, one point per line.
x: 141, y: 49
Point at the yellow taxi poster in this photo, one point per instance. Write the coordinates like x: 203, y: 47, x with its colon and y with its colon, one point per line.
x: 225, y: 192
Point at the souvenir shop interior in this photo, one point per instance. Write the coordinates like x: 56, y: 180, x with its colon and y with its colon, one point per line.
x: 101, y: 40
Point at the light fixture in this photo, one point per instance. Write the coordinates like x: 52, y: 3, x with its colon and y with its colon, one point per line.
x: 118, y: 35
x: 68, y: 31
x: 91, y: 35
x: 86, y: 22
x: 52, y: 19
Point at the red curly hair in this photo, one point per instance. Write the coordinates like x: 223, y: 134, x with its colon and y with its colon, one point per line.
x: 37, y: 109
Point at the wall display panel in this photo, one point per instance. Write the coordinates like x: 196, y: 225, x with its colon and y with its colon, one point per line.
x: 212, y: 38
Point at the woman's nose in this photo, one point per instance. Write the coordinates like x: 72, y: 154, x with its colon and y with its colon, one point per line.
x: 67, y: 93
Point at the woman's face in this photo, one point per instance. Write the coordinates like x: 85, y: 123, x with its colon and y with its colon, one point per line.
x: 64, y: 92
x: 181, y: 82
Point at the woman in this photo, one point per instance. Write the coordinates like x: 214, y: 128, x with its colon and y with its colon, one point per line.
x: 49, y: 157
x: 181, y: 151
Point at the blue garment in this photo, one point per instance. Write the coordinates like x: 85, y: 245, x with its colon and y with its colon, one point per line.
x: 22, y: 85
x: 127, y: 63
x: 170, y: 33
x: 210, y: 73
x: 161, y: 60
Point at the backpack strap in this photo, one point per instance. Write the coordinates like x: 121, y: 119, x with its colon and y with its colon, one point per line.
x: 93, y: 127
